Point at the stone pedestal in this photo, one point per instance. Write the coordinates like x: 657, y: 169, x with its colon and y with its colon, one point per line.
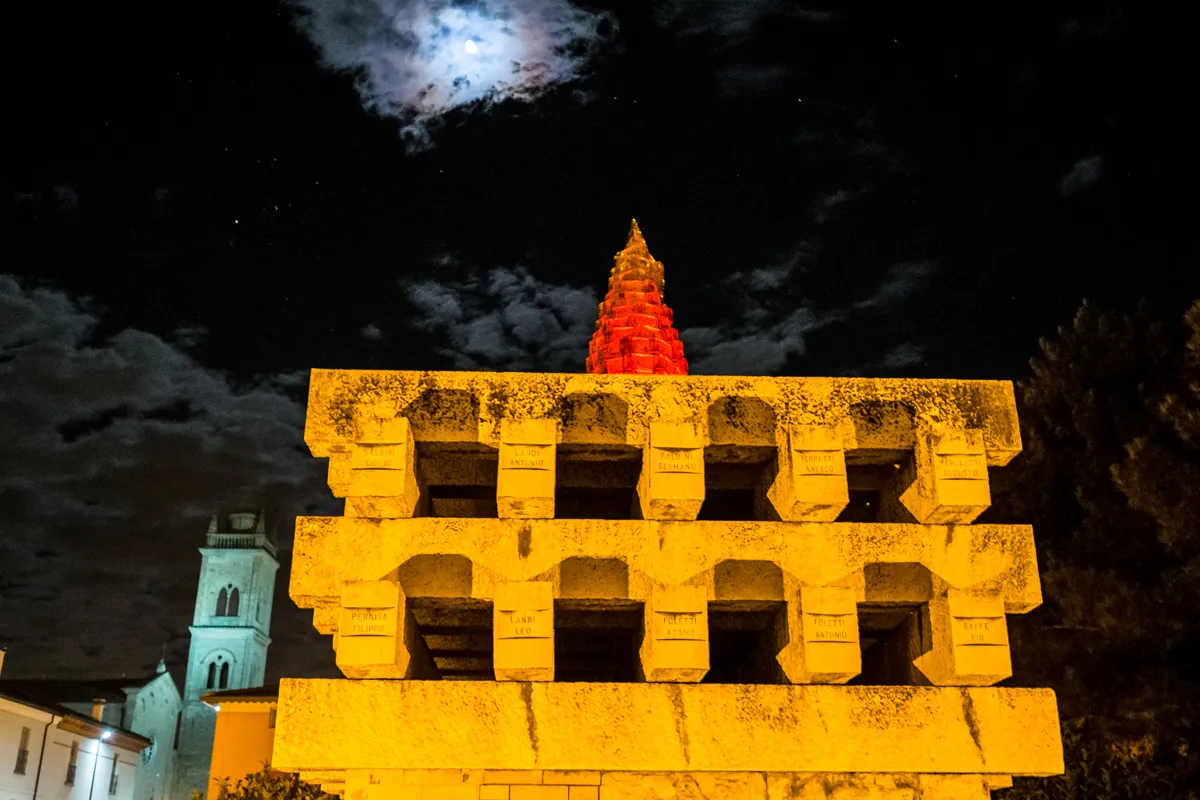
x: 523, y: 631
x: 376, y: 473
x: 526, y: 471
x: 811, y: 483
x: 376, y: 638
x: 968, y: 634
x: 950, y: 484
x: 822, y: 636
x: 675, y: 647
x: 671, y: 485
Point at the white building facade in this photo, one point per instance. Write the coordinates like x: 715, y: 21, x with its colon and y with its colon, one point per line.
x: 53, y: 753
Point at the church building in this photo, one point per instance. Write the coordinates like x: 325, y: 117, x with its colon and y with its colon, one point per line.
x: 156, y: 743
x: 230, y: 629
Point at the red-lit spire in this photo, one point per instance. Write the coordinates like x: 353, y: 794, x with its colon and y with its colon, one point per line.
x: 634, y: 334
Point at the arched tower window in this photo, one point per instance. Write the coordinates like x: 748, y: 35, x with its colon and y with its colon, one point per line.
x: 212, y: 676
x: 225, y: 675
x: 234, y: 601
x: 222, y: 600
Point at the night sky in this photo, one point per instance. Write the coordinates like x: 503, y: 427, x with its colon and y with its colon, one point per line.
x: 199, y: 202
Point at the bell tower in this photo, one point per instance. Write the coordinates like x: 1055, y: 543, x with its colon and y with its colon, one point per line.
x: 230, y: 633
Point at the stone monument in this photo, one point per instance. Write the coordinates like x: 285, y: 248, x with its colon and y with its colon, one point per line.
x: 632, y: 583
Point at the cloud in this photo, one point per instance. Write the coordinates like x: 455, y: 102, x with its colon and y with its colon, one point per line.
x: 507, y: 320
x: 900, y: 282
x: 1085, y: 172
x: 730, y: 18
x: 757, y: 344
x: 510, y: 320
x: 371, y: 332
x: 113, y: 453
x: 416, y: 60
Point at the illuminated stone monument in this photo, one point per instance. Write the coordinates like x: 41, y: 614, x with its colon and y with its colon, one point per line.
x: 634, y: 584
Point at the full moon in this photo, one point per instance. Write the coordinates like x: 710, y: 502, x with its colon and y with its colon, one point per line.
x: 471, y: 47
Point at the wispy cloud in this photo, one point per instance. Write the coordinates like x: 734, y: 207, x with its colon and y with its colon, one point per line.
x: 900, y: 281
x: 731, y: 18
x: 507, y: 319
x: 416, y: 60
x: 510, y: 320
x: 1084, y: 173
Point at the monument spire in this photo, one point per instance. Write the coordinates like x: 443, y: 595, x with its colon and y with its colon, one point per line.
x: 634, y: 332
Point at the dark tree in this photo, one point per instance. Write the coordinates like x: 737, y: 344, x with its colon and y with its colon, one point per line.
x: 1110, y: 480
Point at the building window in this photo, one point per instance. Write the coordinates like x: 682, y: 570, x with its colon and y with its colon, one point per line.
x: 228, y: 601
x: 72, y: 762
x: 22, y: 753
x: 212, y: 676
x: 225, y: 675
x: 271, y: 718
x: 112, y: 778
x: 222, y: 602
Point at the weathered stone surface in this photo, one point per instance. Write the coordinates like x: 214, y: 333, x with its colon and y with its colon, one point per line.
x: 680, y: 785
x: 665, y: 727
x: 331, y: 550
x: 469, y: 406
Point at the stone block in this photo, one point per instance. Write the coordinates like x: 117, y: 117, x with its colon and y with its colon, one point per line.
x: 968, y: 632
x: 667, y: 727
x: 584, y: 793
x: 493, y: 792
x: 526, y: 471
x: 810, y: 485
x: 675, y: 645
x: 442, y: 777
x: 331, y: 550
x: 512, y: 776
x: 671, y: 785
x: 822, y: 636
x: 467, y: 792
x: 953, y: 787
x: 376, y: 473
x: 949, y: 479
x: 537, y: 793
x: 377, y: 637
x: 396, y: 791
x: 523, y: 631
x: 671, y: 484
x: 576, y: 777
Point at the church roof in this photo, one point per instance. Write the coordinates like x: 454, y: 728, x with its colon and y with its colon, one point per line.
x: 256, y: 694
x: 635, y: 333
x: 75, y: 691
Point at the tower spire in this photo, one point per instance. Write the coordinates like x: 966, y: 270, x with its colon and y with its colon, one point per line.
x: 634, y: 332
